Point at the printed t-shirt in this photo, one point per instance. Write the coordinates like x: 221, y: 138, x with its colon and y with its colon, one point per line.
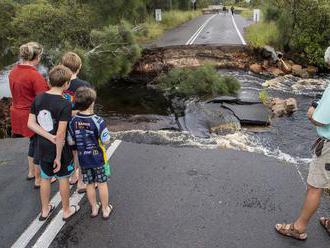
x: 88, y: 133
x: 25, y: 84
x: 322, y: 114
x: 74, y: 85
x: 50, y: 110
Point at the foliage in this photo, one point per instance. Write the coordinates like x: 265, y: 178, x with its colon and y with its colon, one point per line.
x: 303, y: 27
x: 7, y: 12
x: 202, y: 81
x: 261, y: 34
x: 50, y: 25
x: 114, y: 53
x: 264, y: 96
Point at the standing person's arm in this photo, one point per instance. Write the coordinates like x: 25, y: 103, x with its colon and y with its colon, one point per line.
x: 35, y: 127
x: 60, y: 141
x: 61, y: 134
x: 104, y: 133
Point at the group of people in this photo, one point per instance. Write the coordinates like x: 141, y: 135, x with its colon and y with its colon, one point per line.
x: 67, y: 140
x: 226, y: 11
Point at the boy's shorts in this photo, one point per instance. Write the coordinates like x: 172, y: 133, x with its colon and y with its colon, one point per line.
x: 94, y: 175
x: 47, y: 170
x: 319, y: 170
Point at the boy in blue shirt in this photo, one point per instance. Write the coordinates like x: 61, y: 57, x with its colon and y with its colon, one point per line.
x: 88, y: 134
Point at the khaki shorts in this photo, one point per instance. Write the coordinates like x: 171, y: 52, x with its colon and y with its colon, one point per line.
x: 319, y: 176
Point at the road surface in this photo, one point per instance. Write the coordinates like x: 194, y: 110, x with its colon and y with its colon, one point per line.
x: 218, y: 29
x: 166, y: 197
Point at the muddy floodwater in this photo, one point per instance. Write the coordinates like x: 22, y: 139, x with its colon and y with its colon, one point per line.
x: 138, y: 113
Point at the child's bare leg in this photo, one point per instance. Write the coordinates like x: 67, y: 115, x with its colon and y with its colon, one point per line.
x: 91, y: 195
x: 37, y: 177
x: 81, y: 185
x: 31, y: 167
x: 104, y: 198
x: 65, y: 196
x: 44, y: 195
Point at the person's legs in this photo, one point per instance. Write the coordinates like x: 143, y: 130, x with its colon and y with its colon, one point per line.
x: 44, y: 196
x: 91, y: 195
x: 104, y: 198
x: 311, y: 204
x: 37, y: 177
x: 65, y: 197
x: 31, y: 167
x: 81, y: 186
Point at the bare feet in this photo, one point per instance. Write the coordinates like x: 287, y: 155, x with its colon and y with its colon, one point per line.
x: 95, y: 210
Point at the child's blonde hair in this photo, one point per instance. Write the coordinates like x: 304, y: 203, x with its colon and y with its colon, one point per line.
x: 72, y: 61
x: 30, y: 51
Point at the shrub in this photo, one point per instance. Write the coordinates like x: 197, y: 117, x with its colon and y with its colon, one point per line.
x: 261, y: 34
x: 264, y: 96
x: 203, y: 81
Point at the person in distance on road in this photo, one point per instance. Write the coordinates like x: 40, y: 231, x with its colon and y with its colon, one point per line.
x: 232, y: 10
x: 49, y: 117
x: 88, y: 134
x: 319, y: 171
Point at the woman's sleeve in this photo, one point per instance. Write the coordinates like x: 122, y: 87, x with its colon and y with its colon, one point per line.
x: 40, y: 85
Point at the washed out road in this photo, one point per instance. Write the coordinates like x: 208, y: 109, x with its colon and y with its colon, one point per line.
x: 168, y: 197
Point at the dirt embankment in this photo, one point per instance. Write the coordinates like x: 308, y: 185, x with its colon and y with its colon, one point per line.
x: 157, y: 60
x: 260, y: 61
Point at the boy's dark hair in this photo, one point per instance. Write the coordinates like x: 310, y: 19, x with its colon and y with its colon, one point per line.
x: 59, y: 75
x: 72, y: 61
x: 84, y: 98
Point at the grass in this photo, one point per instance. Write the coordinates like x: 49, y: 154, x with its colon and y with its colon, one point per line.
x: 151, y: 30
x: 261, y: 34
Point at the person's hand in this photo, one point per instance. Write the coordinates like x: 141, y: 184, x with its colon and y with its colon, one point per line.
x: 52, y: 138
x: 57, y: 165
x: 310, y: 113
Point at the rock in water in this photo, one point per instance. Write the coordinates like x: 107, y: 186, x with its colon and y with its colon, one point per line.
x: 281, y: 107
x: 256, y: 68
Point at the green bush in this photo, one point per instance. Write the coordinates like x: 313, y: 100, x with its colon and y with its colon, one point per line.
x: 264, y: 96
x: 203, y: 81
x: 261, y: 34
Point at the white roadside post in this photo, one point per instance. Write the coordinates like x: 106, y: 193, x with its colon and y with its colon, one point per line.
x: 193, y: 4
x: 256, y: 15
x: 158, y: 15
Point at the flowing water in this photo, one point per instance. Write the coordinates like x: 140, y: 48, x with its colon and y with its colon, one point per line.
x: 141, y: 114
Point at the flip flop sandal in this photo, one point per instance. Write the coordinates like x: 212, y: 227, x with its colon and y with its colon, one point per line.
x: 76, y: 210
x: 29, y: 178
x: 98, y: 211
x: 41, y: 218
x: 81, y: 191
x: 325, y: 222
x: 291, y: 232
x: 107, y: 217
x: 36, y: 186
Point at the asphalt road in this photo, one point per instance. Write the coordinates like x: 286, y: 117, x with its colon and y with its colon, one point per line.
x: 170, y: 197
x: 215, y: 29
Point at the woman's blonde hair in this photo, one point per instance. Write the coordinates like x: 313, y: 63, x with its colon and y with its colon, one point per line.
x: 30, y: 51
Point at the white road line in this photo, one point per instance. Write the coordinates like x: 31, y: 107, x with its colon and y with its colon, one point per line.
x: 197, y: 33
x: 57, y: 223
x: 34, y: 227
x: 238, y: 32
